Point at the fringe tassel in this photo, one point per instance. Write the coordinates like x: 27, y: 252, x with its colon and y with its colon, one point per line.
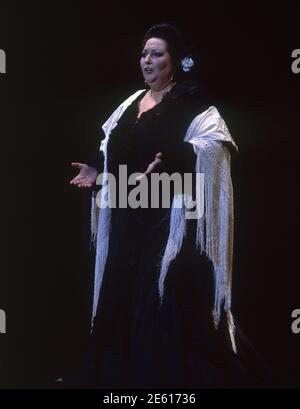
x: 175, y: 239
x: 94, y: 220
x: 231, y: 328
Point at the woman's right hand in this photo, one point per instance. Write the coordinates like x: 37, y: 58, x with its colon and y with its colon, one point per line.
x: 86, y: 177
x: 157, y: 161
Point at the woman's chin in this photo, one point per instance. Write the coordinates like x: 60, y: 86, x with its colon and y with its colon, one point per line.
x: 151, y: 80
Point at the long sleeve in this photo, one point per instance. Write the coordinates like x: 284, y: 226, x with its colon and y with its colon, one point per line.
x: 96, y: 160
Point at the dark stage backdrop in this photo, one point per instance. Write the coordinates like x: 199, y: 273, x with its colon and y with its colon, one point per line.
x: 68, y: 66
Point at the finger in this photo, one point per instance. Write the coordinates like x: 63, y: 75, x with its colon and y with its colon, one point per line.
x: 80, y: 178
x: 159, y: 155
x: 78, y: 165
x: 140, y: 177
x: 152, y: 166
x: 76, y: 180
x: 84, y: 183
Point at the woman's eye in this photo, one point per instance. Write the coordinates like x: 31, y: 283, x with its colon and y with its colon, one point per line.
x: 155, y: 54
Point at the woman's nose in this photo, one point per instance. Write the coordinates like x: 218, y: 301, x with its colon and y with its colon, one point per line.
x: 148, y: 58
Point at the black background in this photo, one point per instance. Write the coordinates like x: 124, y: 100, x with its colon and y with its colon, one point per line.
x: 68, y: 67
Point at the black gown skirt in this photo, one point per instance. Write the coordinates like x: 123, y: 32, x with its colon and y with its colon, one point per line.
x: 136, y: 343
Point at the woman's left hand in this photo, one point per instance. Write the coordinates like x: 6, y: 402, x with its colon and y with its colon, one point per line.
x: 157, y: 161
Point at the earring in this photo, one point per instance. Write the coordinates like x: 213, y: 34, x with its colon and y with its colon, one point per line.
x: 172, y: 76
x: 146, y: 83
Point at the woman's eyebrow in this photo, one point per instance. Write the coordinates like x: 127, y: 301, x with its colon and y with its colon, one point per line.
x: 151, y: 49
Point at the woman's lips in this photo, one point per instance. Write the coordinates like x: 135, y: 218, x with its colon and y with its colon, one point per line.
x: 148, y: 70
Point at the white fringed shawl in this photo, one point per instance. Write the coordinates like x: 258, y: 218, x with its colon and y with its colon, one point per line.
x: 209, y: 134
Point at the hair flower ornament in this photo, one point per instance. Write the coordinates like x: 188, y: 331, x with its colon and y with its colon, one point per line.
x: 187, y: 63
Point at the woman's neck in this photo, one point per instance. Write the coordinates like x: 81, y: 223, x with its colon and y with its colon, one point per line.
x: 158, y: 93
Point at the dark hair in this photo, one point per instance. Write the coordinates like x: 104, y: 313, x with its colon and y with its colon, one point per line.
x: 177, y: 46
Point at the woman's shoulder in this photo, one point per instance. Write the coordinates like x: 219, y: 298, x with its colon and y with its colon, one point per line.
x: 186, y: 88
x: 132, y: 97
x: 187, y: 99
x: 189, y: 90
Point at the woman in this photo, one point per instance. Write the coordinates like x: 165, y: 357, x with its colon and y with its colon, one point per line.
x: 159, y: 275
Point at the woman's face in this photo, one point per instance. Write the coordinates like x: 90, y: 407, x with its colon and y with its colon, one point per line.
x: 156, y: 63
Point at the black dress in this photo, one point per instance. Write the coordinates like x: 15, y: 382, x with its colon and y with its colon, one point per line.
x: 135, y: 343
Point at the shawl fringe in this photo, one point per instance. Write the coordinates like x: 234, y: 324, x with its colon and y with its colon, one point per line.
x: 210, y: 137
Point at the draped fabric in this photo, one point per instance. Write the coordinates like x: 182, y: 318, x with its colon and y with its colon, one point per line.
x: 211, y: 139
x: 159, y: 273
